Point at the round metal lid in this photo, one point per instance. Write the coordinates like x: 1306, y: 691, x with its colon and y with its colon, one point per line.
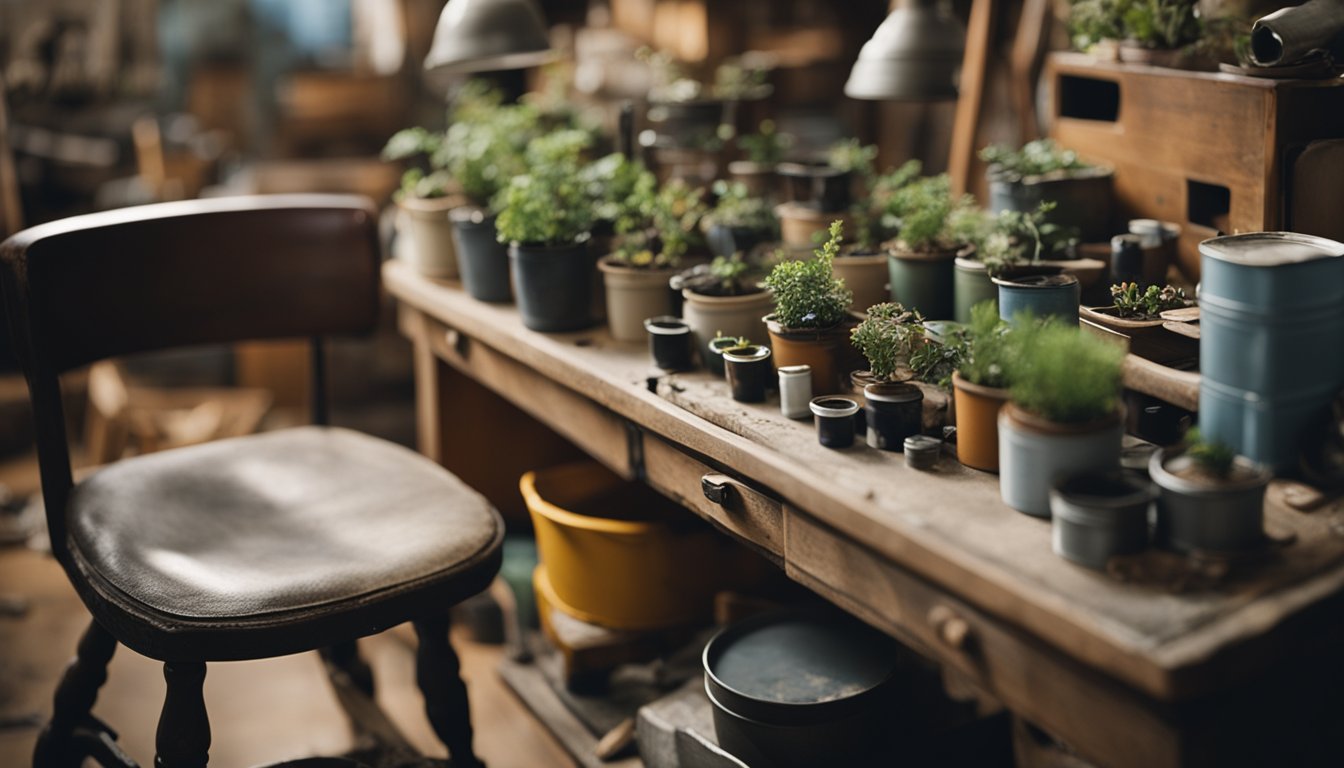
x: 1270, y: 249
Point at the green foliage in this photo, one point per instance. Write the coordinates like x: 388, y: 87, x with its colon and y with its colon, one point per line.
x: 989, y: 347
x: 1213, y: 458
x: 930, y: 217
x: 852, y: 156
x: 1010, y: 238
x: 486, y: 147
x: 731, y: 275
x: 767, y: 146
x: 658, y: 226
x: 1035, y: 158
x: 741, y: 78
x: 619, y: 188
x: 1147, y: 304
x: 427, y: 177
x: 550, y: 204
x: 934, y: 362
x: 1151, y: 23
x: 889, y: 336
x: 737, y: 208
x: 411, y: 143
x: 807, y: 294
x: 1064, y: 375
x: 874, y: 221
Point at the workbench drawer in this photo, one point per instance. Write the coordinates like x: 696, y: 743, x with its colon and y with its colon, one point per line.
x: 738, y: 508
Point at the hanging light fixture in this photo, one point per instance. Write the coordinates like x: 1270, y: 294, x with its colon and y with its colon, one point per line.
x: 915, y: 55
x: 488, y: 35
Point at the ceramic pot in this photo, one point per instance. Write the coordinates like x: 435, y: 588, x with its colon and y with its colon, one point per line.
x: 1083, y: 199
x: 553, y: 286
x: 820, y: 349
x: 1160, y: 241
x: 834, y: 417
x: 749, y: 371
x: 1207, y: 514
x: 924, y: 281
x: 971, y: 285
x: 669, y: 343
x: 482, y: 260
x: 1097, y: 515
x: 977, y: 410
x: 633, y: 295
x: 432, y: 251
x: 892, y: 412
x: 685, y: 124
x: 817, y: 186
x: 1271, y: 329
x: 724, y: 240
x: 866, y: 275
x: 736, y: 316
x: 757, y: 178
x: 1041, y: 295
x: 1034, y: 453
x: 804, y: 227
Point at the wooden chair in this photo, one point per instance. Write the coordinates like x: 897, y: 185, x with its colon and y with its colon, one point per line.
x: 250, y: 547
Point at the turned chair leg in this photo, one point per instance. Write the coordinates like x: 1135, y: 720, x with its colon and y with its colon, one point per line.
x: 183, y: 738
x: 75, y: 695
x: 438, y: 674
x: 345, y: 658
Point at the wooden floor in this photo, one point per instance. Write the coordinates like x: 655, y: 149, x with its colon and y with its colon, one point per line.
x: 260, y: 712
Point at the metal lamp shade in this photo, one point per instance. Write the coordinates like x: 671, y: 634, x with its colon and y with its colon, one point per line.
x: 486, y: 35
x: 915, y: 55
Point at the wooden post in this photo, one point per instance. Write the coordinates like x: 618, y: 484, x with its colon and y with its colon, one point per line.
x: 974, y: 70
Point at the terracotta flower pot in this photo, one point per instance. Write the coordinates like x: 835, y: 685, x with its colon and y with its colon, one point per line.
x: 822, y: 349
x: 866, y: 275
x: 800, y: 224
x: 977, y: 410
x: 633, y: 296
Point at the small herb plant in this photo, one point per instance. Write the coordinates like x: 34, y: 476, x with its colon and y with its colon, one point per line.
x: 1210, y: 457
x: 612, y: 182
x: 549, y: 205
x: 1146, y: 304
x: 807, y: 293
x: 931, y: 218
x: 852, y: 156
x: 736, y: 208
x: 888, y: 337
x: 1010, y: 238
x: 1064, y: 375
x: 1166, y: 24
x: 1035, y: 158
x: 731, y: 276
x: 989, y: 347
x: 874, y: 221
x: 427, y: 177
x: 767, y: 146
x: 659, y: 226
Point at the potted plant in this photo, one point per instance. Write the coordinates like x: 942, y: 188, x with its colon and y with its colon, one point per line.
x: 715, y: 348
x: 679, y: 111
x: 1039, y: 296
x: 1042, y: 171
x: 740, y: 220
x: 863, y: 264
x: 980, y: 386
x: 1210, y: 499
x: 820, y: 193
x: 762, y: 152
x: 1098, y: 515
x: 933, y: 230
x: 811, y: 306
x: 1136, y: 314
x: 427, y: 194
x: 1008, y: 244
x: 725, y: 299
x: 749, y: 371
x: 656, y: 228
x: 545, y: 216
x: 889, y: 337
x: 1064, y: 413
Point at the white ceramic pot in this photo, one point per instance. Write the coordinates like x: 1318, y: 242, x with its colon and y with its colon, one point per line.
x: 432, y: 251
x: 741, y: 316
x: 633, y: 296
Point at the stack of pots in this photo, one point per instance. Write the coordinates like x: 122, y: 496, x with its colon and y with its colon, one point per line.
x: 818, y: 195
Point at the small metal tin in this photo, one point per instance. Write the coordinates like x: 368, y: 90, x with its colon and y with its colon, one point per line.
x: 1127, y: 259
x: 922, y: 451
x: 795, y: 391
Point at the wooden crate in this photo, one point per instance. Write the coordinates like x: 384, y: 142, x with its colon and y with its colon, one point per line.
x: 1210, y: 151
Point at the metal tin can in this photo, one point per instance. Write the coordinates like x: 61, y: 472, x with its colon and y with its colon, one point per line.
x: 795, y: 391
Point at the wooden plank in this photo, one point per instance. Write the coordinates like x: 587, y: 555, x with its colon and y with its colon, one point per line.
x: 529, y: 684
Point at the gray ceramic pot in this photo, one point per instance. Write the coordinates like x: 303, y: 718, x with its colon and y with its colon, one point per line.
x: 1195, y: 513
x: 482, y: 260
x: 971, y: 284
x: 1035, y: 453
x: 923, y: 281
x: 1098, y: 515
x: 1041, y: 295
x: 1083, y: 199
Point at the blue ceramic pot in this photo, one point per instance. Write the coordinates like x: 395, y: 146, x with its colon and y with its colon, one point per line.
x: 1041, y: 295
x: 1034, y: 454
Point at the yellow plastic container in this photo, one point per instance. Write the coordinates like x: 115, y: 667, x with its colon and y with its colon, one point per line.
x: 619, y: 555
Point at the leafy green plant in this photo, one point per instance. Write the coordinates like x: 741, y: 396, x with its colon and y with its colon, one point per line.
x: 487, y: 147
x: 742, y: 78
x: 659, y: 226
x: 1162, y: 23
x: 427, y: 177
x: 1149, y: 303
x: 737, y: 208
x: 550, y: 204
x: 1211, y: 457
x: 1035, y: 158
x: 873, y: 219
x: 1011, y: 238
x: 1092, y: 21
x: 807, y: 293
x: 852, y: 156
x: 889, y: 336
x: 929, y: 214
x: 730, y: 276
x: 767, y: 146
x: 989, y: 347
x: 1064, y: 375
x: 934, y: 361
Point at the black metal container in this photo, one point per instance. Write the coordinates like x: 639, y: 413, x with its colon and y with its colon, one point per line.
x: 669, y: 343
x: 554, y: 286
x: 750, y: 371
x: 1096, y: 515
x: 894, y: 411
x: 835, y: 420
x: 482, y: 260
x: 820, y: 186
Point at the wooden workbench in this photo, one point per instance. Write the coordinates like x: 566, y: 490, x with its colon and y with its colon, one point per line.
x: 1240, y: 672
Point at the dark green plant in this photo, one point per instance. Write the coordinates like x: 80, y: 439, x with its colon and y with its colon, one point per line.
x: 1035, y: 158
x: 1064, y: 375
x: 1165, y: 24
x: 427, y: 177
x: 656, y: 226
x: 618, y: 187
x: 487, y: 147
x: 550, y: 204
x: 1011, y: 238
x: 737, y: 208
x: 934, y: 361
x: 732, y: 276
x: 767, y: 146
x: 1213, y: 458
x: 1131, y: 301
x: 873, y: 219
x: 930, y: 216
x: 989, y: 347
x: 1092, y: 21
x: 889, y: 336
x: 807, y: 293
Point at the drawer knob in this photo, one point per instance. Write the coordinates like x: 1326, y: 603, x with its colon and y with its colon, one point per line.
x: 952, y: 629
x: 717, y: 488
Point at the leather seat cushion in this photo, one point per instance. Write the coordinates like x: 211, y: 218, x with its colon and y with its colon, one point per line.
x: 274, y: 522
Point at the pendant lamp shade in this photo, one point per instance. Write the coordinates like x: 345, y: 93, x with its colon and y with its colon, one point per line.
x: 915, y: 55
x: 488, y: 35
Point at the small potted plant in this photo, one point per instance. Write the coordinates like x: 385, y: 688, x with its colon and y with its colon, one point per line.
x: 427, y: 194
x: 1009, y: 244
x: 763, y: 151
x: 811, y: 305
x: 1064, y: 414
x: 1210, y: 498
x: 725, y: 298
x: 740, y: 220
x: 933, y: 230
x: 654, y: 231
x: 545, y: 217
x: 715, y: 349
x: 821, y: 193
x: 980, y: 386
x: 863, y: 264
x: 1042, y: 171
x: 749, y: 371
x: 1136, y: 314
x: 889, y: 337
x: 1039, y: 296
x: 1099, y: 514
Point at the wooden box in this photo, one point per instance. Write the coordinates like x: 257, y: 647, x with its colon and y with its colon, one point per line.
x: 1210, y: 151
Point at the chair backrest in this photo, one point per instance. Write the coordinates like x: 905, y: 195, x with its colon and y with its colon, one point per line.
x: 155, y: 277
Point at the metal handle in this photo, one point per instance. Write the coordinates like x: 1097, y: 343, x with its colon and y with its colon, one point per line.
x: 459, y: 342
x: 717, y: 488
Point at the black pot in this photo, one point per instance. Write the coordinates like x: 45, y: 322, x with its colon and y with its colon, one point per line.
x: 554, y: 286
x: 669, y: 343
x: 804, y: 688
x: 749, y: 370
x: 894, y: 411
x: 724, y: 240
x: 835, y: 420
x: 820, y: 186
x: 482, y: 260
x: 713, y: 353
x: 1083, y: 199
